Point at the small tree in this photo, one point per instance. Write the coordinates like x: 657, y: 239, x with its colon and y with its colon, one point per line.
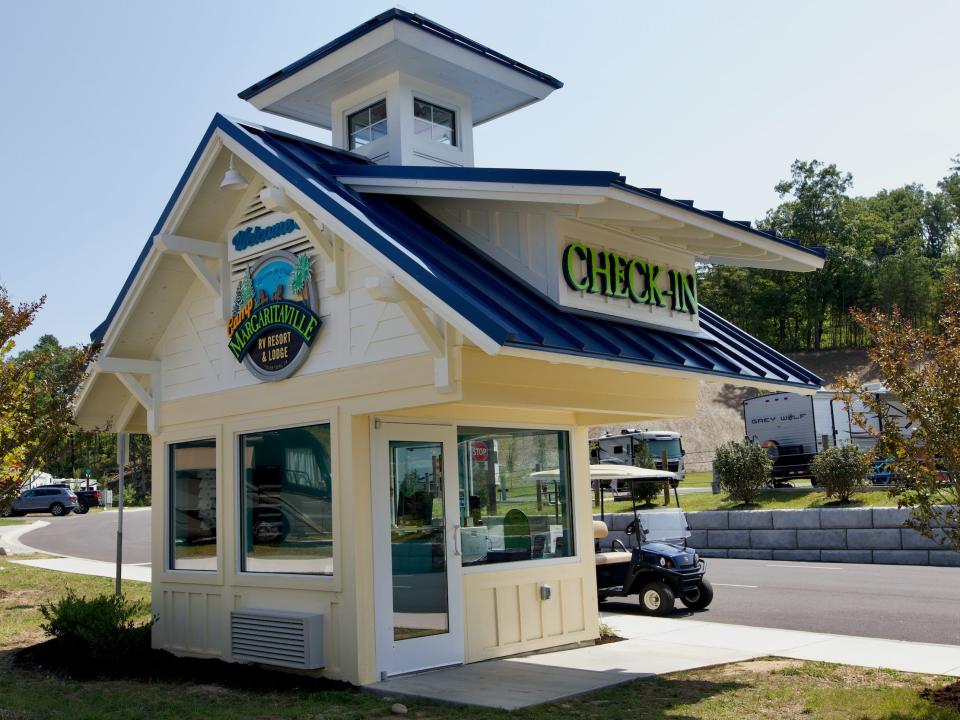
x: 922, y: 369
x: 841, y: 471
x: 645, y: 492
x: 743, y: 470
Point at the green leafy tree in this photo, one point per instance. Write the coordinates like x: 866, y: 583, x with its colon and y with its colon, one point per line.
x: 743, y: 470
x: 645, y: 492
x: 893, y: 247
x: 37, y: 390
x: 921, y: 367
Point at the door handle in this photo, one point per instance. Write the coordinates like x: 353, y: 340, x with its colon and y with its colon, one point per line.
x: 456, y: 541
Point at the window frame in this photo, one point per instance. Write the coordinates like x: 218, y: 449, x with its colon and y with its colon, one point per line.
x: 169, y: 555
x: 366, y: 107
x: 268, y: 422
x: 160, y: 526
x: 455, y: 129
x: 577, y: 556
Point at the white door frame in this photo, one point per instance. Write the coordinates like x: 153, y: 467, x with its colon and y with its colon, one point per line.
x: 403, y: 656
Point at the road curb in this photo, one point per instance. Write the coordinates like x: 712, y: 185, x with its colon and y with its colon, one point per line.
x: 10, y: 539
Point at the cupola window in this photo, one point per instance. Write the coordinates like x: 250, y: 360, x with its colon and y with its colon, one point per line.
x: 434, y: 122
x: 368, y: 124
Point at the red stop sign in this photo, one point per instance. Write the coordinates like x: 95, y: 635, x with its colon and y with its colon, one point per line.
x: 480, y: 451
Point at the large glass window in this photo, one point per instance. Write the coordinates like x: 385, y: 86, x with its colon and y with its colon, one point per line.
x: 434, y: 122
x: 193, y: 505
x: 286, y: 501
x: 515, y: 495
x: 367, y: 125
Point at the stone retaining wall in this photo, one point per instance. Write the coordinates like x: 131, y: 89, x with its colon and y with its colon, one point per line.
x: 856, y: 535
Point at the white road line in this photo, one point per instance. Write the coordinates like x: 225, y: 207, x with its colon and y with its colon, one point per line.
x: 804, y: 567
x: 716, y: 584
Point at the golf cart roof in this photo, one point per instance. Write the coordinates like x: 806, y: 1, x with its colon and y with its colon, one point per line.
x: 615, y: 472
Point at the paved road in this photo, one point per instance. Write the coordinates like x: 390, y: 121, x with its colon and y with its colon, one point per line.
x: 94, y: 536
x: 921, y: 604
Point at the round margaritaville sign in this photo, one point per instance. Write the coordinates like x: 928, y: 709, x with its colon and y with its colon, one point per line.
x: 274, y: 317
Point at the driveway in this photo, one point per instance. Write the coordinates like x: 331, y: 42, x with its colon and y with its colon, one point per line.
x: 94, y: 536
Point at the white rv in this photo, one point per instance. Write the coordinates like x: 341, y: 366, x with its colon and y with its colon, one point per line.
x: 627, y: 447
x: 794, y: 428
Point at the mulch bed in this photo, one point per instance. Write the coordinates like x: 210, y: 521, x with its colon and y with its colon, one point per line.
x: 149, y: 665
x: 946, y: 697
x: 607, y: 639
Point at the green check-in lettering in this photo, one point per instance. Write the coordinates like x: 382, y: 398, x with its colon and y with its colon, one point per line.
x: 601, y: 272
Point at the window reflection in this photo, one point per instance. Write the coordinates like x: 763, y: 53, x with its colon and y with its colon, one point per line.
x: 515, y: 495
x: 286, y: 501
x: 193, y: 498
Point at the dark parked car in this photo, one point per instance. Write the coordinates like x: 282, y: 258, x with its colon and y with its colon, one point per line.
x: 55, y: 500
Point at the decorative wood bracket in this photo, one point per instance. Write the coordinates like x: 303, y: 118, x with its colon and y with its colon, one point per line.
x: 126, y: 370
x: 193, y: 253
x: 321, y: 237
x: 436, y: 334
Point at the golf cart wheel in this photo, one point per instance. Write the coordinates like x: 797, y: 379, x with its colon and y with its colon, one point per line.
x: 57, y: 509
x: 699, y: 598
x: 656, y: 598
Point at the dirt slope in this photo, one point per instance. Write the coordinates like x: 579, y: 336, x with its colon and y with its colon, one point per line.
x: 719, y: 415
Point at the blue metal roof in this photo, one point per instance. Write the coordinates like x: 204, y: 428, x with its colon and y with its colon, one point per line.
x: 413, y: 19
x: 503, y: 307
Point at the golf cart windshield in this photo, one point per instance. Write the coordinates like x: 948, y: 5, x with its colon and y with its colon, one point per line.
x: 665, y: 525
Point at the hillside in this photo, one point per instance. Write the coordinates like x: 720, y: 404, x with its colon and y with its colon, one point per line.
x: 719, y: 415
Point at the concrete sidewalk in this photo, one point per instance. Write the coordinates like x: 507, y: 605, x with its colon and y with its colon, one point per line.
x: 12, y: 545
x: 656, y: 646
x: 82, y: 566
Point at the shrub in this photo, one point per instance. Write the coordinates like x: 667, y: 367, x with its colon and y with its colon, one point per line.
x: 841, y: 471
x: 742, y: 469
x: 645, y: 492
x: 107, y: 628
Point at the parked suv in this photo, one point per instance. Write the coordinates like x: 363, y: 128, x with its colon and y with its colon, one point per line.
x: 54, y: 500
x: 86, y: 499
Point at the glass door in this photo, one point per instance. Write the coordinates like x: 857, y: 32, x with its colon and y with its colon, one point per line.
x: 417, y: 563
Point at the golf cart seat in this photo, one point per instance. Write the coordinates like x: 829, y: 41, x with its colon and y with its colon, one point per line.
x: 613, y: 557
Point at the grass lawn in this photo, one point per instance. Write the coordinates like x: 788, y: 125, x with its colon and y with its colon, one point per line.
x: 12, y: 521
x: 701, y: 478
x: 767, y: 500
x: 769, y: 688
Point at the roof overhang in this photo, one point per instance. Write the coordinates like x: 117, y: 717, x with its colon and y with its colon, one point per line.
x: 397, y: 41
x: 602, y: 200
x: 159, y: 278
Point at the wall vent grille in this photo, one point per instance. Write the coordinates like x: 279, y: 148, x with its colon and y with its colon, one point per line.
x: 277, y: 637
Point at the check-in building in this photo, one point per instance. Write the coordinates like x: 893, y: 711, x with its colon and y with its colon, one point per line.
x: 353, y: 359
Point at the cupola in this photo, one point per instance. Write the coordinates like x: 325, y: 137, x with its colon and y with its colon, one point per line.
x: 402, y: 90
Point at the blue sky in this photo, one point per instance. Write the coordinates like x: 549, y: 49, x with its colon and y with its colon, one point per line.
x: 106, y: 101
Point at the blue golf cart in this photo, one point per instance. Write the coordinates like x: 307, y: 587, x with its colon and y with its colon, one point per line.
x: 646, y: 553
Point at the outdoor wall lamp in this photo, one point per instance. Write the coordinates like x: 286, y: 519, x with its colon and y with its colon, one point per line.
x: 232, y: 179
